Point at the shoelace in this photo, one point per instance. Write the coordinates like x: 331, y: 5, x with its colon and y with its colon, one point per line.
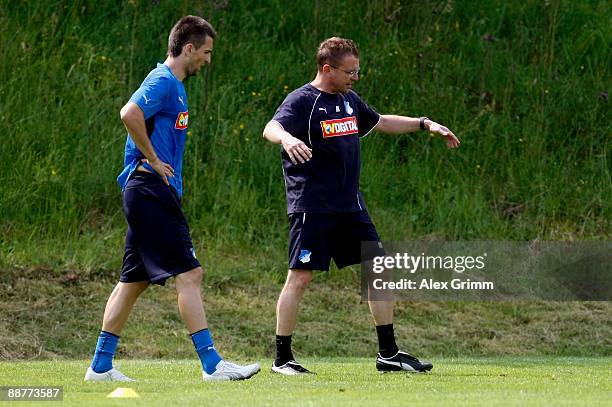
x: 228, y: 366
x: 407, y: 356
x: 118, y: 375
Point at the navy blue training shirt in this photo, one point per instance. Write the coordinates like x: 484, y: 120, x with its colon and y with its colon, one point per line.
x: 163, y: 100
x: 331, y: 125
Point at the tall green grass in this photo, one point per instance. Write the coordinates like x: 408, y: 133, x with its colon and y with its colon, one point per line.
x: 524, y: 85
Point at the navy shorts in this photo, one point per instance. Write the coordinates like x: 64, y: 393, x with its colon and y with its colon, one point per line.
x: 157, y: 244
x: 317, y: 238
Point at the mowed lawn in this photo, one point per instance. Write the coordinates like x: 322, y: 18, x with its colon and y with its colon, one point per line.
x: 512, y: 381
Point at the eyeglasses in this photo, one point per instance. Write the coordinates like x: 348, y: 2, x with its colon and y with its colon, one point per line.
x: 349, y: 73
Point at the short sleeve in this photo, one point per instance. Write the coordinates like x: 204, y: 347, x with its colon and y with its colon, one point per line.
x: 292, y: 116
x: 367, y: 117
x: 151, y: 95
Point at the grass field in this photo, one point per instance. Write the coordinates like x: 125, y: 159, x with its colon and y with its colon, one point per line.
x: 524, y: 85
x: 63, y: 321
x: 456, y: 382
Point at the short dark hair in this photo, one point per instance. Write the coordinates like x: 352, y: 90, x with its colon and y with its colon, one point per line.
x: 189, y: 29
x: 332, y: 50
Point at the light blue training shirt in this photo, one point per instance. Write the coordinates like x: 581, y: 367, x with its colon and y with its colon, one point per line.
x: 163, y: 100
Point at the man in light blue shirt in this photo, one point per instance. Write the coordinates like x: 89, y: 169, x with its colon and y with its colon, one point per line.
x: 158, y: 244
x: 163, y: 102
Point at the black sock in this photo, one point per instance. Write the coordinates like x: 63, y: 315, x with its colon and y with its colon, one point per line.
x: 283, y: 350
x: 386, y: 341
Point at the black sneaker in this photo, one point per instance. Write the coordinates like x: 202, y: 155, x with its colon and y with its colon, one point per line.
x: 290, y: 368
x: 402, y: 361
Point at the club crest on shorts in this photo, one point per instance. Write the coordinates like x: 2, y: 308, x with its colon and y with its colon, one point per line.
x: 182, y: 120
x: 304, y: 256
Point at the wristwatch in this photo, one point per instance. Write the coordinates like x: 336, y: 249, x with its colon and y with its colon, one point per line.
x: 422, y: 122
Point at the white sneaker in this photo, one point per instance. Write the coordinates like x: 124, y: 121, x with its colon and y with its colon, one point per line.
x: 231, y: 371
x: 112, y: 375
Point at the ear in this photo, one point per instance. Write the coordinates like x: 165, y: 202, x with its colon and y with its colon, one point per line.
x: 188, y: 48
x: 326, y: 68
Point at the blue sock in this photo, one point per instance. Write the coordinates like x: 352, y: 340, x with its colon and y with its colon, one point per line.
x: 105, y: 350
x: 206, y: 350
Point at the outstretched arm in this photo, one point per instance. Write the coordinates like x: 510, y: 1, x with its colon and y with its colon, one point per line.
x: 394, y: 124
x: 295, y: 148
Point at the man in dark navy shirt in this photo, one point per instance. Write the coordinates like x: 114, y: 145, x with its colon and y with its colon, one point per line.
x: 319, y: 126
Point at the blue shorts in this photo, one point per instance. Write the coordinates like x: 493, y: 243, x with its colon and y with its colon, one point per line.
x: 317, y: 238
x: 157, y: 244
